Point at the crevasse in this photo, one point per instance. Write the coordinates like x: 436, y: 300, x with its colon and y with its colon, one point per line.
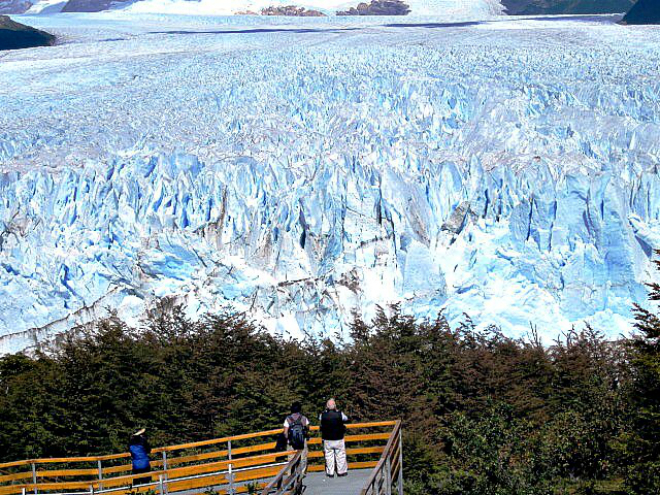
x: 301, y: 185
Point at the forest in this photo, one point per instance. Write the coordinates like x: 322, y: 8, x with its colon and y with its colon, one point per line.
x: 483, y: 414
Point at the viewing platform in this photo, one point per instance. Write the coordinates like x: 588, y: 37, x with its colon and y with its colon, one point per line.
x: 238, y: 464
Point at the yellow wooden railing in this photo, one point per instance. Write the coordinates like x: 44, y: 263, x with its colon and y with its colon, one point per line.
x: 387, y: 476
x: 233, y: 464
x: 289, y: 481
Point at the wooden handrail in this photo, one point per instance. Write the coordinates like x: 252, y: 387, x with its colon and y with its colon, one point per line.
x: 250, y: 462
x: 172, y: 448
x: 384, y: 458
x: 216, y: 467
x: 277, y: 480
x: 206, y: 443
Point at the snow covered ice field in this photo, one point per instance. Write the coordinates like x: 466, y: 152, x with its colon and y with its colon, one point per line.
x: 301, y: 169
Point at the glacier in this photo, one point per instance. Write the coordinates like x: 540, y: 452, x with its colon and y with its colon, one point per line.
x: 448, y: 9
x: 304, y: 170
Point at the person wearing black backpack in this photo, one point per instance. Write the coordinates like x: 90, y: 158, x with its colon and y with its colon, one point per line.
x: 296, y: 431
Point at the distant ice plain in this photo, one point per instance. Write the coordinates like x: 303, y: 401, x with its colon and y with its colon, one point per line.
x: 299, y: 170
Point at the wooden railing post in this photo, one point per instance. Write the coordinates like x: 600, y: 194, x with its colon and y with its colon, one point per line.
x: 400, y: 461
x: 100, y: 467
x: 299, y: 477
x: 230, y: 478
x: 34, y: 477
x: 230, y: 475
x: 164, y: 468
x: 388, y: 476
x: 161, y: 487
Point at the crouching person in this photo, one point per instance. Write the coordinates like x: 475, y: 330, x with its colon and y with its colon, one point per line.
x: 333, y: 429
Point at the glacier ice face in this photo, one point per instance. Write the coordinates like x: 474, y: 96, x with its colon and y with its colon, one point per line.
x: 449, y: 9
x: 507, y: 170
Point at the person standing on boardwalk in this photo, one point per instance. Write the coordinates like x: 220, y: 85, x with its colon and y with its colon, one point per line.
x: 296, y: 431
x: 140, y: 450
x: 333, y: 429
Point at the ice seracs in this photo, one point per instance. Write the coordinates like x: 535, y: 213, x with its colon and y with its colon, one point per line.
x: 507, y: 170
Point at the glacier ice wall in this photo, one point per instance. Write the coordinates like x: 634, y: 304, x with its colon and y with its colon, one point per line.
x: 448, y: 9
x: 497, y: 170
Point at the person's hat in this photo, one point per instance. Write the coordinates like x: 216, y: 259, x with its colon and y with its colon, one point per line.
x: 139, y: 432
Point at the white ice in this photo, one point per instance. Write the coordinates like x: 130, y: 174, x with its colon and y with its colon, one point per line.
x: 299, y: 170
x: 449, y: 9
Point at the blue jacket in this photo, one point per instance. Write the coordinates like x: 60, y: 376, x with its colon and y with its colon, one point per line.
x: 140, y: 456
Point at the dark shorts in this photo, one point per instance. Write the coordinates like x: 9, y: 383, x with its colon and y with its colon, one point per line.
x: 141, y: 481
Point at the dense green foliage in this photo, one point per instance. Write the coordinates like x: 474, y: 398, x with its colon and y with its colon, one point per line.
x: 483, y: 414
x: 643, y: 475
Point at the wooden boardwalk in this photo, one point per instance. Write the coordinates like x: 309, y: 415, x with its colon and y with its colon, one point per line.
x: 227, y: 465
x: 320, y: 484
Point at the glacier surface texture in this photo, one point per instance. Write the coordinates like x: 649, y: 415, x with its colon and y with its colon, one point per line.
x: 300, y: 170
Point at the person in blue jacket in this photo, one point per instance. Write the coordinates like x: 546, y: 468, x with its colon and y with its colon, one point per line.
x: 140, y: 450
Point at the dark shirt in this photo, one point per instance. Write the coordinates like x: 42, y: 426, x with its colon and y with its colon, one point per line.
x: 333, y: 425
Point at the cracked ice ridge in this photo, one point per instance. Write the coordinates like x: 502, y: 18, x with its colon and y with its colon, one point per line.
x: 507, y: 170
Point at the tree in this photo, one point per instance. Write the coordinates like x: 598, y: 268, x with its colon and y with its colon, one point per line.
x: 644, y: 450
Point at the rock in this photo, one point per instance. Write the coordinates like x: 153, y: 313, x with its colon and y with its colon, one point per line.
x: 292, y: 11
x: 14, y: 35
x: 14, y: 6
x: 378, y: 7
x: 92, y: 5
x: 643, y: 12
x: 552, y: 7
x: 458, y: 218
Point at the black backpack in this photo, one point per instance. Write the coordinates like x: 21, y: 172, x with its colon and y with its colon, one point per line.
x: 297, y: 432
